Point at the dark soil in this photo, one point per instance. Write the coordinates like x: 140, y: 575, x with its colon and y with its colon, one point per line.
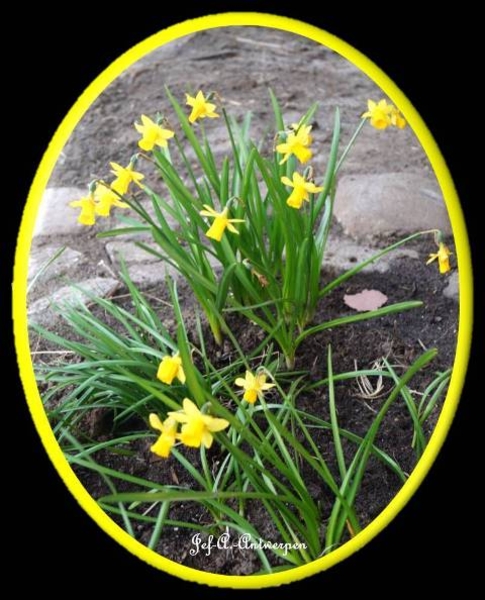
x: 401, y: 338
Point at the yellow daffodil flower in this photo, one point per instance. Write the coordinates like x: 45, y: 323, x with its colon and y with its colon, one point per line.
x: 221, y: 222
x: 106, y: 199
x: 171, y: 368
x: 254, y: 386
x: 379, y: 114
x: 200, y: 108
x: 301, y: 190
x: 168, y: 435
x: 197, y: 428
x: 87, y: 216
x: 382, y: 115
x: 152, y: 134
x: 397, y: 119
x: 443, y: 256
x: 124, y: 177
x: 297, y: 143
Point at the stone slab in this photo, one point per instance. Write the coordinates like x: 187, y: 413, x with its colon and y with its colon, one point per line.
x: 55, y: 216
x: 40, y: 257
x: 369, y: 206
x: 45, y: 311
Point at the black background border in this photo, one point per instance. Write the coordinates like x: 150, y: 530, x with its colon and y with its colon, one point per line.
x: 431, y: 58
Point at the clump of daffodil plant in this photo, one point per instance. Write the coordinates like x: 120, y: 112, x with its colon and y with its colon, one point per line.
x: 248, y: 235
x: 251, y: 232
x: 236, y: 432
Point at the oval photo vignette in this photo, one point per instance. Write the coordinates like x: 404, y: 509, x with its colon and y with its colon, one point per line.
x: 462, y: 261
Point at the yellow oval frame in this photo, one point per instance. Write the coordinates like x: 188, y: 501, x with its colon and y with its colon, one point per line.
x: 20, y: 295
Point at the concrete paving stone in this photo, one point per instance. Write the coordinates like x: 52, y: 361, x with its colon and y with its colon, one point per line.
x: 343, y: 254
x: 39, y: 257
x: 45, y: 311
x: 149, y: 274
x: 133, y: 254
x: 368, y: 206
x: 130, y: 252
x: 452, y: 289
x: 55, y: 216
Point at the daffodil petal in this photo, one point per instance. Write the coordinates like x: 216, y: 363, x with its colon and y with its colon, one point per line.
x: 207, y: 439
x: 282, y: 148
x: 181, y: 375
x: 267, y: 386
x: 155, y: 422
x: 217, y: 424
x: 209, y: 210
x: 180, y: 417
x: 231, y: 227
x: 313, y: 189
x: 190, y: 408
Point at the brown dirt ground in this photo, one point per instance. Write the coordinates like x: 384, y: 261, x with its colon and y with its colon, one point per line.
x: 240, y: 63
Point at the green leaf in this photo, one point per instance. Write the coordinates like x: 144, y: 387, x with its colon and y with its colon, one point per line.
x: 365, y: 316
x: 337, y: 442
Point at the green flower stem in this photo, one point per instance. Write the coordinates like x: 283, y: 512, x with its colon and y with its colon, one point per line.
x: 349, y: 145
x: 364, y: 316
x: 337, y: 442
